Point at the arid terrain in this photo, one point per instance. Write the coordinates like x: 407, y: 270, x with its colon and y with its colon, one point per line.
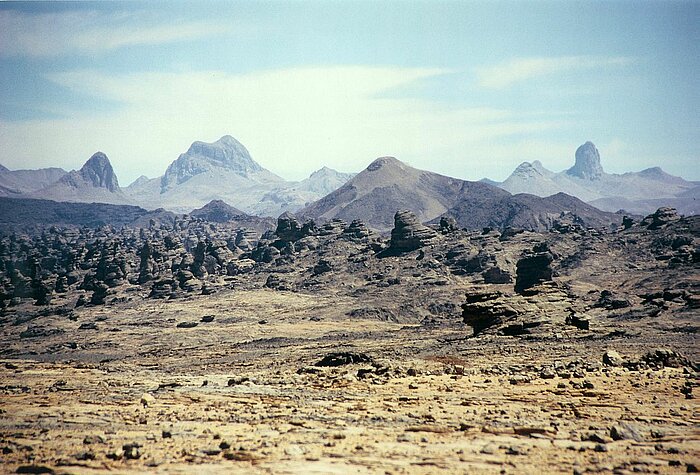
x: 331, y: 349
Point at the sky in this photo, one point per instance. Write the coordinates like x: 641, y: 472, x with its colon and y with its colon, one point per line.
x: 468, y: 89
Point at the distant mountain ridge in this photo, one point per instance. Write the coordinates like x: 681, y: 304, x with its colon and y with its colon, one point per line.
x: 26, y: 213
x: 20, y: 182
x: 226, y: 154
x: 221, y: 170
x: 209, y: 174
x: 635, y: 192
x: 224, y: 170
x: 94, y: 182
x: 387, y: 185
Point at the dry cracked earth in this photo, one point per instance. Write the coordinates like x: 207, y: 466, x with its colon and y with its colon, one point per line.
x: 371, y: 368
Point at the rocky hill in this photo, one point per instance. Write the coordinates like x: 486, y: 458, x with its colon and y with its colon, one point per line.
x: 525, y: 211
x: 218, y: 211
x: 95, y: 182
x: 635, y: 192
x: 387, y: 185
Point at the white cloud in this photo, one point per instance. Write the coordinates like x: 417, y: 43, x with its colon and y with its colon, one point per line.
x: 89, y: 32
x: 293, y: 122
x: 504, y: 75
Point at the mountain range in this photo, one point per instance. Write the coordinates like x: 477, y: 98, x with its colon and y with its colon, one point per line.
x: 388, y: 185
x: 95, y: 182
x: 215, y: 177
x: 15, y: 183
x: 635, y: 192
x: 224, y: 170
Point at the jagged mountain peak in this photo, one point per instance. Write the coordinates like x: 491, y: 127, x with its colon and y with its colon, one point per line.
x: 587, y: 165
x: 228, y: 151
x: 98, y: 172
x: 201, y: 157
x: 95, y: 182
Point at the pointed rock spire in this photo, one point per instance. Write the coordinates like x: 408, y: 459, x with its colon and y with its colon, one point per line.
x: 98, y: 171
x: 587, y: 164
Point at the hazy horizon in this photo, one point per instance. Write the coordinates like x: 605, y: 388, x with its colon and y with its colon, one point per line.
x: 466, y: 89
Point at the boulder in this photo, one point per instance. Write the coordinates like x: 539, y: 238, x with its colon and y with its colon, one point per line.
x: 448, y: 225
x: 274, y: 282
x: 534, y: 268
x: 409, y: 234
x: 99, y: 294
x: 612, y: 358
x: 610, y: 301
x: 357, y: 230
x: 496, y: 275
x: 163, y: 288
x: 486, y: 309
x: 322, y: 267
x: 288, y: 227
x: 661, y: 218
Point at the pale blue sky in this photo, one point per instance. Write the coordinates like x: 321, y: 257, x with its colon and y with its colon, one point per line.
x: 468, y: 89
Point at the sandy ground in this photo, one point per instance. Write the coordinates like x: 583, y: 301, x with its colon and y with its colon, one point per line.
x: 240, y: 394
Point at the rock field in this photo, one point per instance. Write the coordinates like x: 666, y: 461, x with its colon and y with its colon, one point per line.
x: 331, y: 349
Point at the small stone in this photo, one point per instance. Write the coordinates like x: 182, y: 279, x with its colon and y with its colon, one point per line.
x: 612, y: 358
x: 595, y: 437
x: 116, y: 455
x: 93, y: 439
x: 187, y: 324
x: 626, y: 431
x: 600, y: 448
x: 294, y: 451
x: 547, y: 373
x: 147, y: 399
x: 488, y: 449
x: 132, y: 451
x: 519, y: 379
